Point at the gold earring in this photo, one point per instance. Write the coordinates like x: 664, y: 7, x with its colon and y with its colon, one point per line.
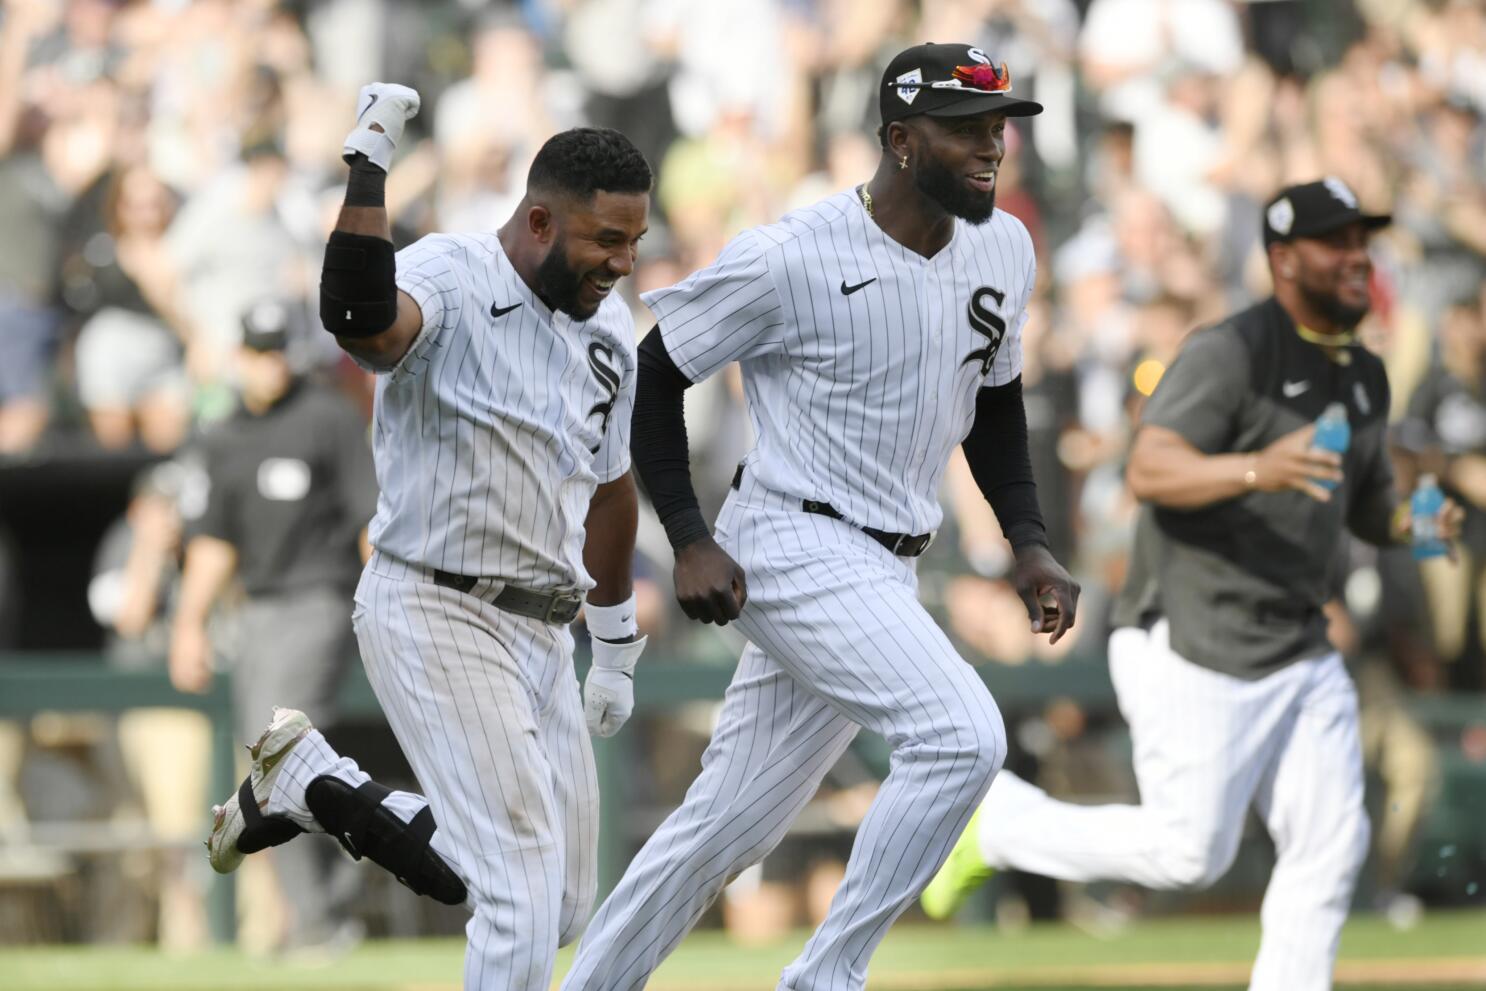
x: 902, y: 163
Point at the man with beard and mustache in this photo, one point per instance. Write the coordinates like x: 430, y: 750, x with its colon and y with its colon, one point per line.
x: 875, y: 330
x: 505, y: 378
x: 1219, y: 657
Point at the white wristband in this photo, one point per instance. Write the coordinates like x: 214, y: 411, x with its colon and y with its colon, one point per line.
x: 612, y: 622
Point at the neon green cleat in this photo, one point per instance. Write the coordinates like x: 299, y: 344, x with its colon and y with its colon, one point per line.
x: 961, y: 874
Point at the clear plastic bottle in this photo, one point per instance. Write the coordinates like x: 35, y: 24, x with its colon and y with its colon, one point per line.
x: 1334, y: 434
x: 1424, y: 510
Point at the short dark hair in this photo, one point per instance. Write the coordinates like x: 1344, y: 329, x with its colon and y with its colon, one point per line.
x: 584, y: 160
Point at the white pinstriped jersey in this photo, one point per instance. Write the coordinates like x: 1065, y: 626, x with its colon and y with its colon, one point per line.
x: 861, y: 359
x: 494, y: 429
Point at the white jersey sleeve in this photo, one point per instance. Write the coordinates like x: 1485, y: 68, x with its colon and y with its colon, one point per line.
x: 612, y: 460
x: 427, y: 272
x: 1008, y: 363
x: 728, y: 311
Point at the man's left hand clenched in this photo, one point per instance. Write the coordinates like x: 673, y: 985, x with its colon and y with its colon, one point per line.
x: 1047, y: 589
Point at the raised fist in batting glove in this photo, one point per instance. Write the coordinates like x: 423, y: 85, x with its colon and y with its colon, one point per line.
x: 609, y: 691
x: 388, y: 106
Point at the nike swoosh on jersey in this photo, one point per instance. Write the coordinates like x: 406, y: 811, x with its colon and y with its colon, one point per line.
x: 848, y: 290
x: 371, y: 102
x: 1293, y: 389
x: 496, y: 310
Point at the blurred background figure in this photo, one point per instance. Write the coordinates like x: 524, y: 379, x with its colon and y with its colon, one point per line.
x: 290, y: 490
x: 136, y: 582
x: 130, y: 373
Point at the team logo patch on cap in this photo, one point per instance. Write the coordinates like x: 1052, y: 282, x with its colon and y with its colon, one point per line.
x: 1341, y: 191
x: 1281, y: 216
x: 910, y: 93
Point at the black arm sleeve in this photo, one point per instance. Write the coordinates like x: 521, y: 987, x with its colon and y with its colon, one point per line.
x: 658, y: 442
x: 997, y: 452
x: 358, y: 283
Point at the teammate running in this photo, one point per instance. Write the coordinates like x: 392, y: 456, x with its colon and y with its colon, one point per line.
x: 875, y: 330
x: 1220, y: 659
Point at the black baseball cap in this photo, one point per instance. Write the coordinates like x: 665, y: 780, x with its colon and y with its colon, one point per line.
x: 948, y: 81
x: 266, y: 326
x: 1312, y: 209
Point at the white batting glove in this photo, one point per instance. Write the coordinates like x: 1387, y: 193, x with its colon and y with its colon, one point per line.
x: 609, y: 691
x: 390, y: 107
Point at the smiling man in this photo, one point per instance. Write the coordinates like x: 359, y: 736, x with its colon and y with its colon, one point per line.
x: 875, y: 330
x: 1219, y: 657
x: 505, y: 377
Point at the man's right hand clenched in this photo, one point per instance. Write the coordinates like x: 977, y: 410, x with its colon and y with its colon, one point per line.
x: 709, y: 584
x: 382, y: 109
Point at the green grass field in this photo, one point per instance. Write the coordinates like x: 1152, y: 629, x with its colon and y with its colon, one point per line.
x: 1446, y: 953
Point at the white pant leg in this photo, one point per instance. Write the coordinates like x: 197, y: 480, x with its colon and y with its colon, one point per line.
x: 1202, y: 741
x: 841, y: 614
x: 773, y: 742
x: 575, y: 788
x: 461, y: 683
x: 1311, y: 801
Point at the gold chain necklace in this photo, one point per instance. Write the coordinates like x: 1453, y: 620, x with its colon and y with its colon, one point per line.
x: 1332, y: 343
x: 866, y: 198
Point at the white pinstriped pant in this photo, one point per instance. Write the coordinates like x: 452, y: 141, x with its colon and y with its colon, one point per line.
x: 1206, y: 746
x: 838, y: 641
x: 487, y: 709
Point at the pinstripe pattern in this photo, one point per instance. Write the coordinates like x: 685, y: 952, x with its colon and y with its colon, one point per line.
x: 487, y: 447
x: 491, y: 721
x: 490, y: 437
x: 1206, y: 746
x: 838, y: 640
x: 881, y: 372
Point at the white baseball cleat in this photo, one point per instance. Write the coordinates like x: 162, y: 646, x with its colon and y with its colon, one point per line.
x: 239, y: 826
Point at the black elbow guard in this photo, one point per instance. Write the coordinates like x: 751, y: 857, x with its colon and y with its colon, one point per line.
x: 358, y: 285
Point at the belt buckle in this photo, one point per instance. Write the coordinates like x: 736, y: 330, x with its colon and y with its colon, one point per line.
x: 912, y: 544
x: 553, y: 604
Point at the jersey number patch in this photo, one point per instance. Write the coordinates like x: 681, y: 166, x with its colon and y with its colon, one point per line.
x: 988, y: 323
x: 608, y: 380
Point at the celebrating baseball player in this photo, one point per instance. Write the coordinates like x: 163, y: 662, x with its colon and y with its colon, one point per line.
x: 505, y: 379
x: 1220, y: 660
x: 875, y: 330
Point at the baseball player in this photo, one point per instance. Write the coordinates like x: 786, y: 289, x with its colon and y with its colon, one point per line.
x: 1220, y: 659
x: 505, y: 378
x: 875, y: 330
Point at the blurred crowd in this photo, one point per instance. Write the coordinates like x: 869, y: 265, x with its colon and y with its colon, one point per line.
x: 168, y: 165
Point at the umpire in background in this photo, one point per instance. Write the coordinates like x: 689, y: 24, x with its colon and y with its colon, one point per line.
x: 1220, y: 658
x: 291, y: 489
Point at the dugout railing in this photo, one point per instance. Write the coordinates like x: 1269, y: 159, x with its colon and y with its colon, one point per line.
x: 38, y: 682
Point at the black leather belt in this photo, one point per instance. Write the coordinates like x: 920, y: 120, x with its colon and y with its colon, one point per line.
x: 901, y: 544
x: 549, y: 607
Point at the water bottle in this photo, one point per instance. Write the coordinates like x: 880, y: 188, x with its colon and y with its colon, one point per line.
x: 1424, y: 511
x: 1334, y: 434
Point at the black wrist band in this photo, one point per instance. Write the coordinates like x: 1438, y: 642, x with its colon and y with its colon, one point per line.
x: 367, y: 185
